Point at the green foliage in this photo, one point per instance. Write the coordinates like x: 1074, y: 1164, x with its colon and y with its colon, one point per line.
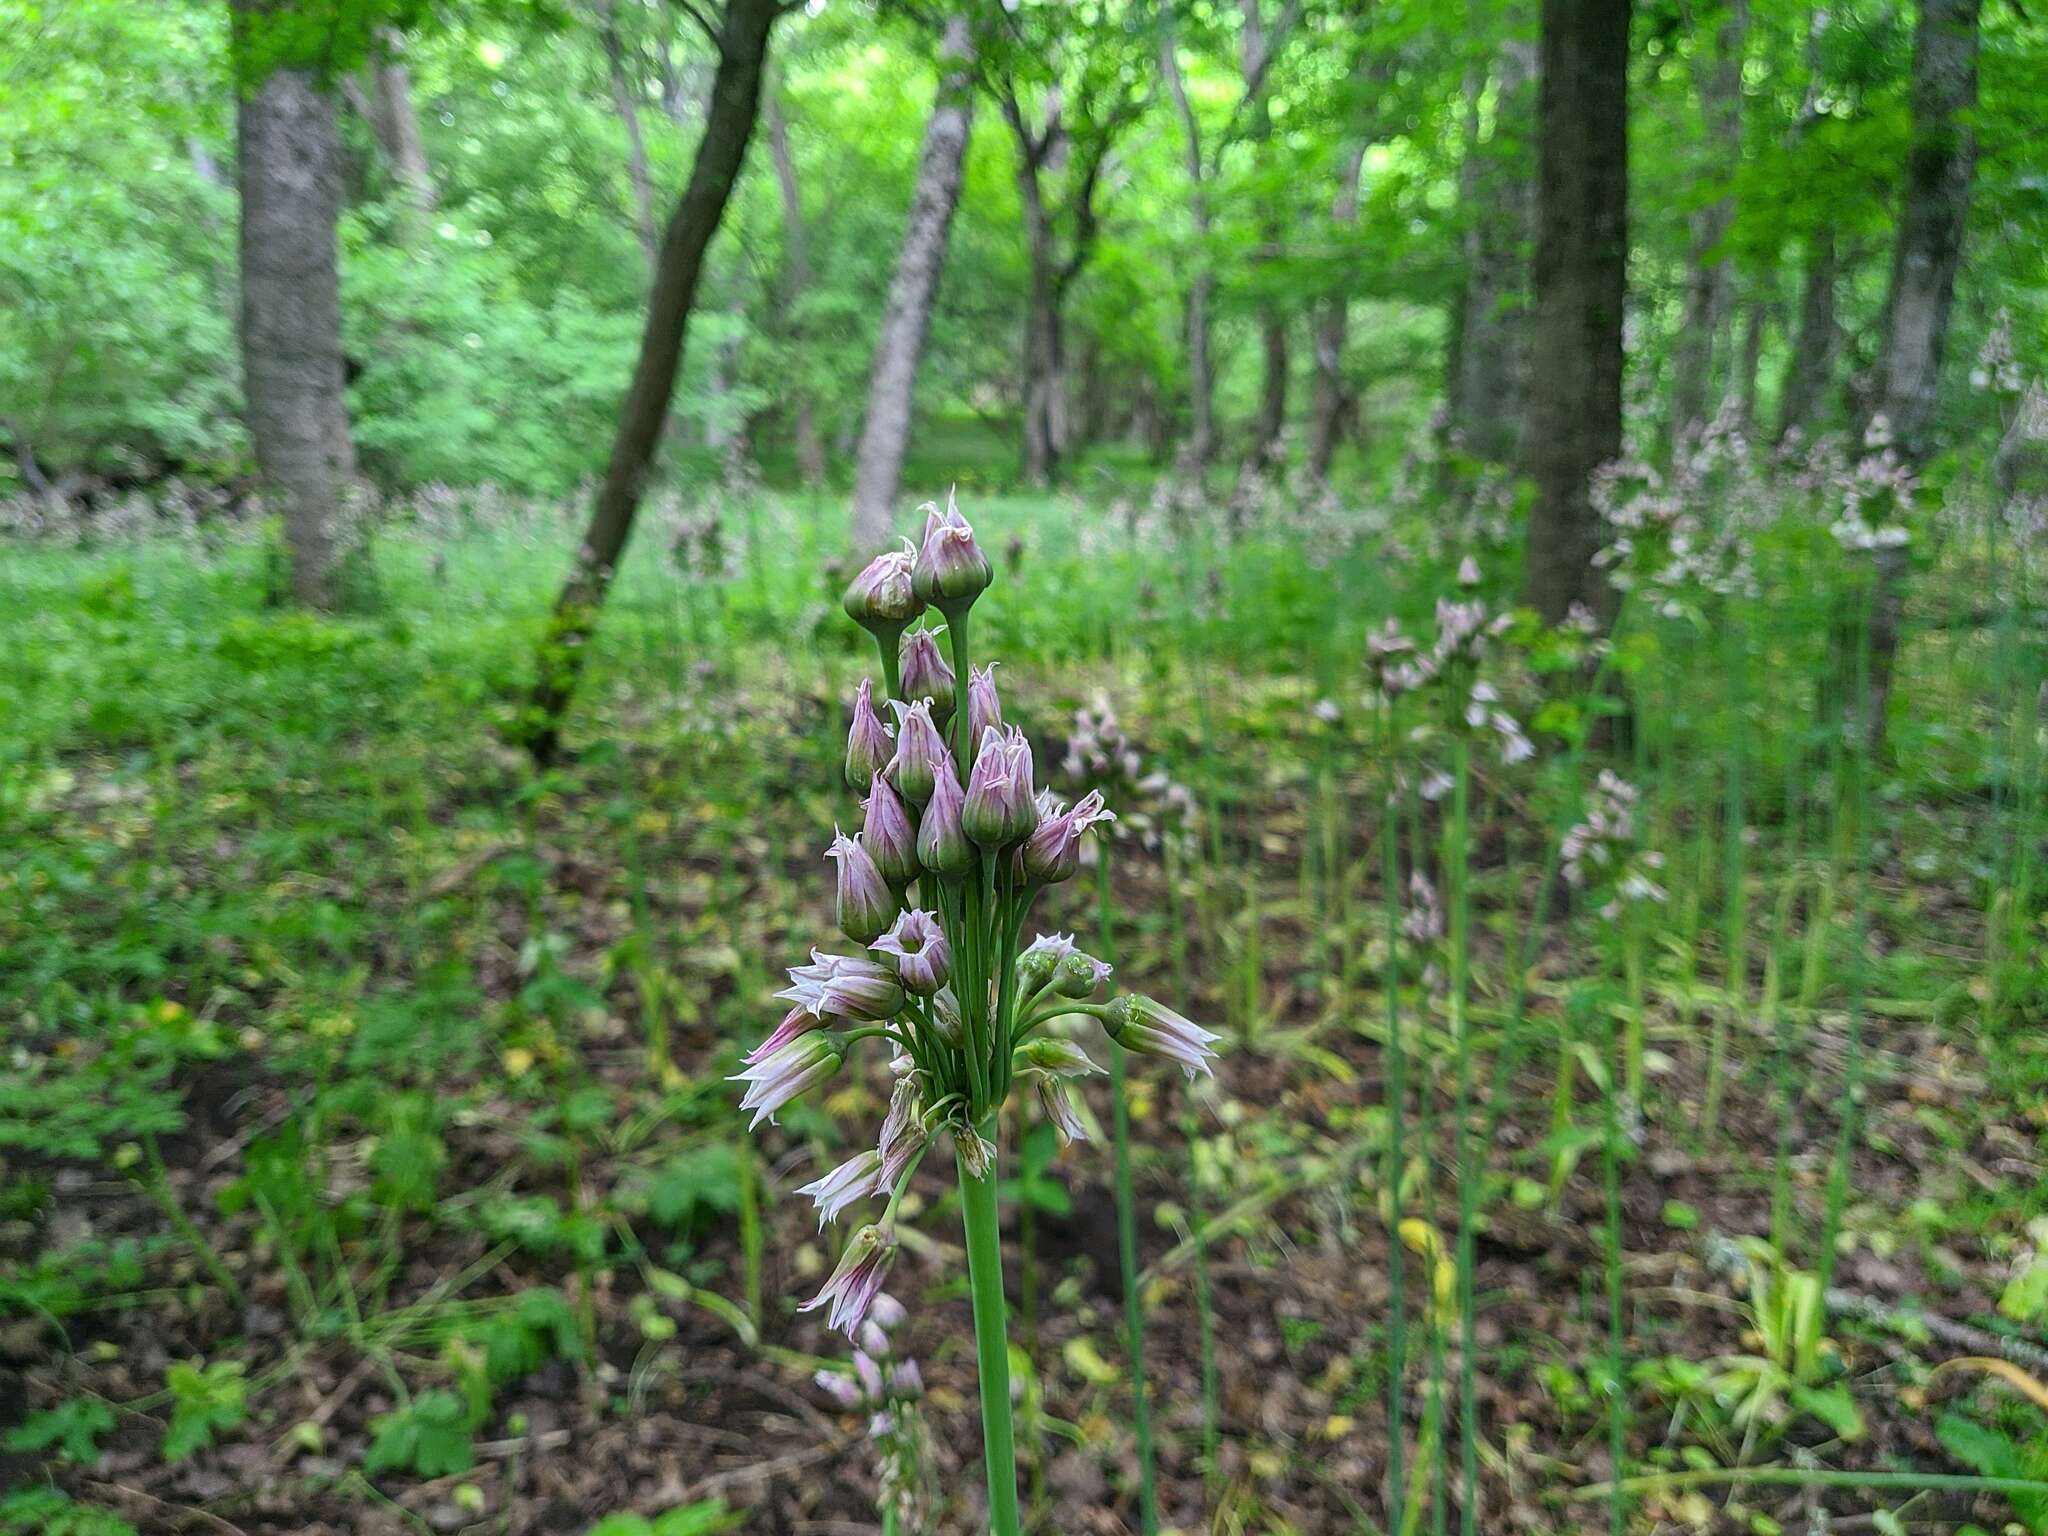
x: 50, y: 1512
x: 701, y: 1519
x: 73, y: 1428
x: 427, y: 1437
x: 1992, y: 1452
x: 207, y: 1400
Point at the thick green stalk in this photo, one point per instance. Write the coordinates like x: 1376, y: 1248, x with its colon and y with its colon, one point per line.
x: 1127, y: 1228
x: 983, y: 1229
x: 1617, y: 1379
x: 1733, y: 896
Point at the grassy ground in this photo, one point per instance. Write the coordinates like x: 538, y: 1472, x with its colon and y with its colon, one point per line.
x: 369, y: 1164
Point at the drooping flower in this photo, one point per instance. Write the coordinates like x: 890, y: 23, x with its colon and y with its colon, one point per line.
x: 1000, y: 808
x: 786, y: 1076
x: 1053, y: 850
x: 1146, y: 1027
x: 889, y: 835
x: 867, y: 741
x: 853, y: 1180
x: 866, y: 907
x: 903, y: 1135
x: 942, y: 845
x: 853, y: 1285
x: 883, y: 597
x: 950, y: 571
x: 924, y: 958
x: 918, y: 746
x: 984, y: 706
x: 796, y: 1023
x: 922, y: 672
x: 1056, y: 1101
x: 977, y: 1152
x: 1052, y: 1055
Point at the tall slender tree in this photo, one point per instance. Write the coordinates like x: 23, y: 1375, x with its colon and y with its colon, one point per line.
x: 1581, y: 282
x: 907, y: 316
x: 1710, y: 283
x: 796, y: 282
x: 740, y: 36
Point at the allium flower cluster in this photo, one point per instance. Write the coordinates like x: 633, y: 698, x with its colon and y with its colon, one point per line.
x: 1465, y: 631
x: 1662, y: 548
x: 1877, y: 495
x: 1156, y: 807
x: 955, y: 843
x: 885, y: 1384
x: 1599, y: 853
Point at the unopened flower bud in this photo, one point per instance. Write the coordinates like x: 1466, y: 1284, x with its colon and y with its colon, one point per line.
x: 950, y: 571
x: 1036, y: 965
x: 866, y: 907
x: 905, y: 1380
x: 922, y: 672
x: 865, y: 1369
x: 1000, y: 808
x: 946, y: 1025
x: 1053, y: 851
x: 918, y: 746
x: 1049, y: 1053
x: 1079, y: 976
x: 984, y: 705
x: 883, y: 597
x: 889, y: 835
x: 942, y: 845
x: 1056, y: 1100
x: 867, y: 741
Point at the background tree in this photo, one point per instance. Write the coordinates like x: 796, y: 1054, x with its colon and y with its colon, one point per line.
x: 1580, y: 280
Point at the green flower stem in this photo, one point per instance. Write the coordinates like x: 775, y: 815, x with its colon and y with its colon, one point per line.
x: 1457, y: 868
x: 1127, y: 1229
x: 991, y: 1342
x: 1397, y: 1102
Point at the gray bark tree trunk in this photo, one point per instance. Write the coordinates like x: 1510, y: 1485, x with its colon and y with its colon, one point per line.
x: 907, y: 316
x: 626, y: 105
x: 398, y: 131
x: 1255, y: 60
x: 1202, y: 286
x: 1332, y: 404
x: 1581, y: 281
x: 729, y: 124
x: 1940, y: 163
x: 1489, y: 359
x: 1933, y: 214
x: 796, y: 282
x: 289, y: 173
x: 1811, y: 364
x: 1710, y: 285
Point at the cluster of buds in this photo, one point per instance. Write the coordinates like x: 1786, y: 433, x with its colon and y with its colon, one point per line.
x: 1156, y: 806
x: 886, y: 1385
x: 1600, y: 853
x: 1661, y: 547
x: 1877, y: 495
x: 955, y: 844
x: 1465, y: 631
x: 1997, y: 369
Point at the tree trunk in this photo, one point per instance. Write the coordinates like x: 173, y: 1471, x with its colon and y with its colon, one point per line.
x: 289, y: 172
x: 1754, y: 319
x: 1042, y: 340
x: 1940, y: 162
x: 796, y: 281
x: 907, y: 316
x: 1254, y: 60
x: 1332, y: 401
x: 1581, y: 279
x: 1710, y: 287
x: 1489, y: 361
x: 1201, y: 365
x: 1811, y: 364
x: 729, y: 124
x: 398, y: 131
x: 628, y: 109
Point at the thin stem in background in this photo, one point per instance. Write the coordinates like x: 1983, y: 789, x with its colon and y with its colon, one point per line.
x: 1127, y: 1222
